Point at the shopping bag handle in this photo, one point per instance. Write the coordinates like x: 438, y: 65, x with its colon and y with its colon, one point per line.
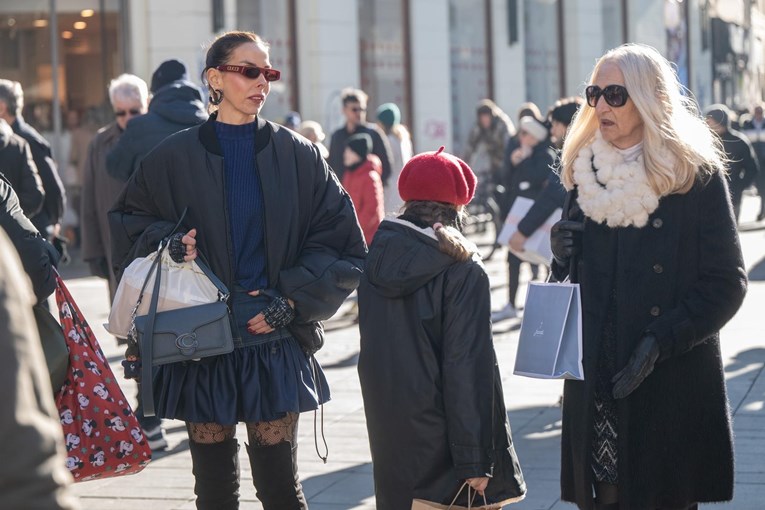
x: 573, y: 263
x: 470, y: 500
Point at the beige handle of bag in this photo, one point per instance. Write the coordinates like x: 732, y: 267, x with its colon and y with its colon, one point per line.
x: 470, y: 500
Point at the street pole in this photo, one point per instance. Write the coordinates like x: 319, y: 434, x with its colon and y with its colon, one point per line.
x: 54, y: 77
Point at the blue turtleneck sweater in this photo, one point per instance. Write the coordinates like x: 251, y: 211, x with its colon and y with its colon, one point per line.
x: 244, y: 195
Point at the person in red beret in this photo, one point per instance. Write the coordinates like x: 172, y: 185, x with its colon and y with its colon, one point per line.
x: 362, y: 180
x: 432, y: 391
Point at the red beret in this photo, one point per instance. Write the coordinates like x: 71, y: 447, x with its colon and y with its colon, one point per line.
x: 437, y: 177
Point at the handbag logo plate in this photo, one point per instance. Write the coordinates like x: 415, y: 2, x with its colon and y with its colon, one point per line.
x: 187, y: 343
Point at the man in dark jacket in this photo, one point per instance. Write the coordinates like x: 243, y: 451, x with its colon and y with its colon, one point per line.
x: 176, y: 104
x: 355, y: 111
x: 11, y: 103
x: 742, y: 166
x: 17, y: 165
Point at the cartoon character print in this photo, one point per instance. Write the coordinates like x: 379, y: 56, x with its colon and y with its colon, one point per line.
x: 90, y: 365
x: 121, y: 467
x: 72, y: 441
x: 98, y: 458
x: 83, y: 400
x: 116, y: 424
x: 67, y: 418
x: 77, y: 373
x: 66, y: 311
x: 101, y: 391
x: 89, y: 427
x: 124, y: 448
x: 137, y: 434
x: 73, y: 462
x: 75, y: 336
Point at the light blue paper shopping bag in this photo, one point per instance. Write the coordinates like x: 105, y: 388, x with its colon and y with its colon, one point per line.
x: 550, y: 345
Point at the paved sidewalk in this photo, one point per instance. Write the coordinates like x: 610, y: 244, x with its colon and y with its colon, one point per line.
x: 345, y: 482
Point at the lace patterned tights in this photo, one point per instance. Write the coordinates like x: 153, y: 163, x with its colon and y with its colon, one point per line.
x: 262, y: 433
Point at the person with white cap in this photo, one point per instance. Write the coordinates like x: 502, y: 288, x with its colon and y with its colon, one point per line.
x: 529, y: 170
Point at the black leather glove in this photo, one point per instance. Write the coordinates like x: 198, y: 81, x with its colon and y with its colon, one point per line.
x: 566, y: 240
x: 99, y: 267
x: 639, y: 366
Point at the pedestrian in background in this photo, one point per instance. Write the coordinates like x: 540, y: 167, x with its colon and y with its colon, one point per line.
x: 486, y: 143
x: 48, y: 219
x: 389, y: 120
x: 361, y: 178
x: 34, y: 474
x: 18, y: 167
x: 355, y: 113
x: 176, y: 104
x: 742, y: 161
x: 315, y: 134
x: 654, y: 245
x: 429, y: 378
x: 529, y: 172
x: 559, y: 118
x: 127, y: 93
x: 754, y: 129
x: 289, y: 250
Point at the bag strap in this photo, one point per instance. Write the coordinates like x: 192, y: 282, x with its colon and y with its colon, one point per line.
x: 147, y: 342
x: 573, y: 263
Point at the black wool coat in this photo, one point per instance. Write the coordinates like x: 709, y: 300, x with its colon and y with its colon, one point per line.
x: 429, y: 378
x: 681, y: 277
x: 17, y: 165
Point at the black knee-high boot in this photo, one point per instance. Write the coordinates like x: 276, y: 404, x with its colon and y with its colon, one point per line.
x: 216, y: 474
x: 274, y: 473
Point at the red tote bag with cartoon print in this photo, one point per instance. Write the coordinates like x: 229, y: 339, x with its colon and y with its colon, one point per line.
x: 103, y: 437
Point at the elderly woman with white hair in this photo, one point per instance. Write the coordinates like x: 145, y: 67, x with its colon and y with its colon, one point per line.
x: 651, y: 238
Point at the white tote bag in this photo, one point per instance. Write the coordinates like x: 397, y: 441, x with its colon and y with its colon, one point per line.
x: 182, y: 285
x: 550, y: 345
x: 537, y: 249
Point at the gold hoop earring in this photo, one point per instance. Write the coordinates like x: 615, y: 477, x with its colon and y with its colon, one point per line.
x: 216, y: 96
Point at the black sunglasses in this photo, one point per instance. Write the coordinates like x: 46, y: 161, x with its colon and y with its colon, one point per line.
x: 615, y: 95
x: 133, y: 112
x: 252, y: 72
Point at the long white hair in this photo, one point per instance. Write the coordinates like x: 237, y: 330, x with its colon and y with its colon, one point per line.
x: 671, y: 122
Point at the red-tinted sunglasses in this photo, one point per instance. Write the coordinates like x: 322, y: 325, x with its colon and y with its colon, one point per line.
x: 252, y: 72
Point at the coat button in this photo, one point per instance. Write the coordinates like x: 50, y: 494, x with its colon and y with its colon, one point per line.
x: 657, y: 223
x: 655, y: 311
x: 658, y: 268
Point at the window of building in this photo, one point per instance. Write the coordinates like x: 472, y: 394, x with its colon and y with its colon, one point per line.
x: 87, y: 43
x: 470, y: 66
x: 542, y: 55
x: 383, y: 55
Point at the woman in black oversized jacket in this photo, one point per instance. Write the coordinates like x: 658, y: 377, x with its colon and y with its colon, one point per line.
x: 429, y: 378
x: 660, y: 268
x: 285, y: 241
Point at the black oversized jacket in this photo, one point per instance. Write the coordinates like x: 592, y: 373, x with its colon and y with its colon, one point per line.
x: 432, y: 390
x: 680, y: 277
x: 314, y: 246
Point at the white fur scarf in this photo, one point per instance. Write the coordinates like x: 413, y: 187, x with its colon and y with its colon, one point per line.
x: 619, y: 194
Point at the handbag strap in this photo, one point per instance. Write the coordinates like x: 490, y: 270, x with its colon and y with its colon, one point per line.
x: 147, y: 341
x: 573, y: 263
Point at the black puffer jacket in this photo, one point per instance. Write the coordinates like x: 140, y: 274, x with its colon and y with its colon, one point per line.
x: 173, y: 108
x: 37, y: 255
x: 17, y: 165
x: 314, y: 246
x: 432, y: 391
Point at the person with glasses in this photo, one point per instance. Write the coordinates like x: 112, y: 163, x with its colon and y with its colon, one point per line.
x: 129, y: 97
x: 650, y: 236
x: 273, y: 223
x: 175, y: 104
x: 355, y: 112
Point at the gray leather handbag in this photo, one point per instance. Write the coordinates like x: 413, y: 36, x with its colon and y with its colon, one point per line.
x: 185, y: 334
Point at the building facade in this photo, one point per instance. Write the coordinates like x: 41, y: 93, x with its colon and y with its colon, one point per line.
x: 434, y: 58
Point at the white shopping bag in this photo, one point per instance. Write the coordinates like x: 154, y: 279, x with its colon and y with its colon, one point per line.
x: 550, y: 345
x: 537, y: 247
x: 182, y: 285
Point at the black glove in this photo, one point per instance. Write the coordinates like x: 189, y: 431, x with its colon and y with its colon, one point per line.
x: 566, y: 240
x: 99, y: 267
x: 639, y: 366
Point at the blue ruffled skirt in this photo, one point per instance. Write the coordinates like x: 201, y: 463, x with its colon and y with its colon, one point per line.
x: 265, y: 377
